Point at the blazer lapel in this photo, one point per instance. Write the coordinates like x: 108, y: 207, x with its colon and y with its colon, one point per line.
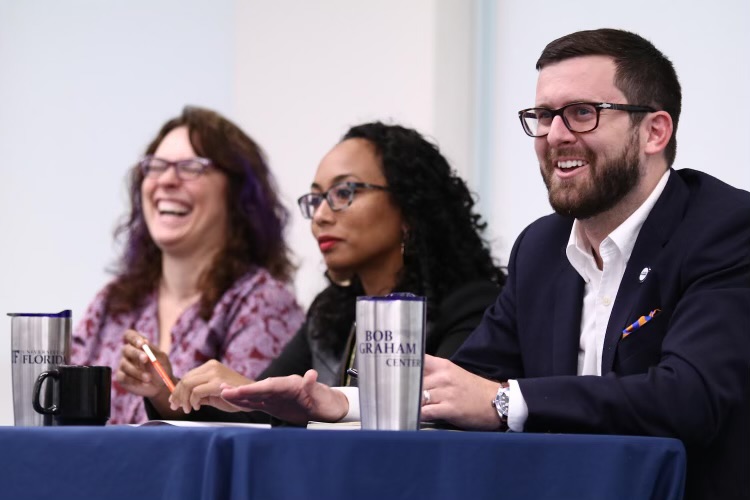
x: 656, y: 231
x: 566, y: 322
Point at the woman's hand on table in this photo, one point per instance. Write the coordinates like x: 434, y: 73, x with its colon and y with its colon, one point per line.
x: 294, y: 399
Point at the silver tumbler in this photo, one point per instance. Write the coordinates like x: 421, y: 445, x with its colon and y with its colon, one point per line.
x: 389, y: 359
x: 39, y: 342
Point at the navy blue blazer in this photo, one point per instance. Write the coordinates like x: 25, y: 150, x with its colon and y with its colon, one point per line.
x: 685, y: 374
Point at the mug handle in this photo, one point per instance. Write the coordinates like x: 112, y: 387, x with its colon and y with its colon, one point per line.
x: 52, y: 410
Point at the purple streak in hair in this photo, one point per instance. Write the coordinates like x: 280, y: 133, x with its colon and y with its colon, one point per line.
x: 260, y: 212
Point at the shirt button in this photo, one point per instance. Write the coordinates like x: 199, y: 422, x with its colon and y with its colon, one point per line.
x: 606, y: 301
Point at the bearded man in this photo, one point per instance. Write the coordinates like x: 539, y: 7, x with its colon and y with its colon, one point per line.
x: 626, y: 311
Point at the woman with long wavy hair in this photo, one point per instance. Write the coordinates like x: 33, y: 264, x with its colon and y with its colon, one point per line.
x: 389, y: 214
x: 205, y: 269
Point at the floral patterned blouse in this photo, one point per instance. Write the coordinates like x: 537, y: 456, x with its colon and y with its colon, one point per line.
x: 249, y: 326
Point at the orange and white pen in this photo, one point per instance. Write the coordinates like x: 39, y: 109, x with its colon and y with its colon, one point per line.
x: 159, y: 368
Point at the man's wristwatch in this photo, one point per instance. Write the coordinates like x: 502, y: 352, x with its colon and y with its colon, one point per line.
x: 501, y: 403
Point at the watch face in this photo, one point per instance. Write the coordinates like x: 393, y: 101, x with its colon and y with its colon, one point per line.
x: 504, y: 404
x: 501, y: 403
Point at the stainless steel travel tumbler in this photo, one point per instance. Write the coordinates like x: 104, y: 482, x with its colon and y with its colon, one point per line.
x: 389, y: 359
x: 39, y: 342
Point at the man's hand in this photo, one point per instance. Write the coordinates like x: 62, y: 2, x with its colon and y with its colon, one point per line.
x: 294, y: 399
x: 458, y: 397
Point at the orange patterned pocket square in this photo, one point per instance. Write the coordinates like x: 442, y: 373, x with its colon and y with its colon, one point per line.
x: 641, y: 321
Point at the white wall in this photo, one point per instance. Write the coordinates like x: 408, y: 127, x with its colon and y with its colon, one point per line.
x: 85, y: 84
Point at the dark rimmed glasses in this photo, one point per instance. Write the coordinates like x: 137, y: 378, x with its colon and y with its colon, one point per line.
x: 578, y: 117
x: 187, y: 170
x: 339, y: 197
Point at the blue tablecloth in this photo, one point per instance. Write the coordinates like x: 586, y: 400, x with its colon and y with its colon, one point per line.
x: 238, y: 463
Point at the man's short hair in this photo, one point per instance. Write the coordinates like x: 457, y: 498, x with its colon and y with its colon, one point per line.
x: 643, y: 73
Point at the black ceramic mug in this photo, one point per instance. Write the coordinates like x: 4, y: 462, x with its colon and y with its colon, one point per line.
x: 81, y: 394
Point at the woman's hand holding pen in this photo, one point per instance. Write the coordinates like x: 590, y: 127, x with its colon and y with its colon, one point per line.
x: 202, y: 386
x: 136, y: 373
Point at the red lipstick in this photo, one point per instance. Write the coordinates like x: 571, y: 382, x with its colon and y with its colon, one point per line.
x: 326, y: 243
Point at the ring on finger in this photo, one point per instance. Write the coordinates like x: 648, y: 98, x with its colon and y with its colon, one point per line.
x: 426, y: 396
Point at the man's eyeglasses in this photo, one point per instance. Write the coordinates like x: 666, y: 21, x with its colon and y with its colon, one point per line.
x: 187, y: 170
x: 339, y: 197
x: 578, y: 117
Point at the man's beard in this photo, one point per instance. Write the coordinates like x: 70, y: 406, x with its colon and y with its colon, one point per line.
x: 610, y: 180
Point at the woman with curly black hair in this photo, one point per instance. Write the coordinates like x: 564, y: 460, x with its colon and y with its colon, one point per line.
x: 389, y: 213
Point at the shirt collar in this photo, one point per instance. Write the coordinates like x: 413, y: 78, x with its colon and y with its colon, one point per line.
x: 578, y: 250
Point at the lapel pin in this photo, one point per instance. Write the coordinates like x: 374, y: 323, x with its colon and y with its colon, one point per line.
x: 643, y: 274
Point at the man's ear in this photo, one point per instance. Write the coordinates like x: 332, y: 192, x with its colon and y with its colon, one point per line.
x: 658, y: 129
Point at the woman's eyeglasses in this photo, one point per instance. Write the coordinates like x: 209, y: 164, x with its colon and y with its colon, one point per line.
x: 187, y: 170
x: 339, y: 197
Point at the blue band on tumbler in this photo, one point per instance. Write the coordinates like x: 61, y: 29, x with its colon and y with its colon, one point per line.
x: 62, y: 314
x: 393, y: 296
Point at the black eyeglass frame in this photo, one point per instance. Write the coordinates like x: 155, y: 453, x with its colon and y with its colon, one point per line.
x: 630, y: 108
x: 304, y: 201
x: 180, y: 167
